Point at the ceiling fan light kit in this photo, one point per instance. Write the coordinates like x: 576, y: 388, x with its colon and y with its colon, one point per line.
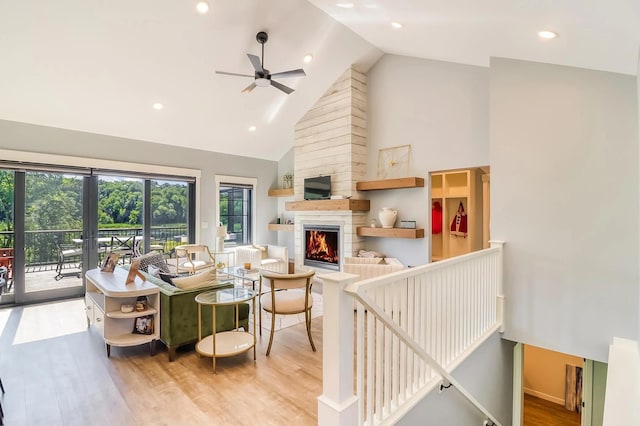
x: 262, y: 76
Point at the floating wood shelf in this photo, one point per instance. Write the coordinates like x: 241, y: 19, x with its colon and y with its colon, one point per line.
x: 280, y: 227
x: 408, y: 182
x: 365, y: 231
x: 279, y: 192
x: 316, y: 205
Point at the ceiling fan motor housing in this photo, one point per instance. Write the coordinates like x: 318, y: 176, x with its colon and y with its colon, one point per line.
x: 262, y: 37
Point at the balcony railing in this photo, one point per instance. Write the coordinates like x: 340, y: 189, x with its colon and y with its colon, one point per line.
x: 41, y: 251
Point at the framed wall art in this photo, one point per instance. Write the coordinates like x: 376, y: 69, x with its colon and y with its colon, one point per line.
x: 394, y: 162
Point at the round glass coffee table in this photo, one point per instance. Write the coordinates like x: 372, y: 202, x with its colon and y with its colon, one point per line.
x: 225, y: 343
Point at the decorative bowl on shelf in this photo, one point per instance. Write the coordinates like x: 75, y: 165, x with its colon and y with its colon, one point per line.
x: 126, y: 308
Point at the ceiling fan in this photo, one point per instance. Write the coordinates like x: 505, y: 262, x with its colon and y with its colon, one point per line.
x: 262, y: 76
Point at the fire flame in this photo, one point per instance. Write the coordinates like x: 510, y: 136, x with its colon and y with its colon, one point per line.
x: 318, y: 248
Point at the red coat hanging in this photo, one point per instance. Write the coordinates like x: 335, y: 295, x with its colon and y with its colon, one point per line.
x: 459, y: 222
x: 436, y: 218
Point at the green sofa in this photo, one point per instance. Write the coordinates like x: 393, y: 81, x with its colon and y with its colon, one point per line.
x: 179, y: 314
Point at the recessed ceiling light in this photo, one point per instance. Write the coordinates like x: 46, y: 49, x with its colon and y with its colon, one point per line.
x: 252, y: 128
x: 396, y: 25
x: 202, y: 7
x: 158, y: 106
x: 345, y: 5
x: 307, y: 58
x: 547, y: 35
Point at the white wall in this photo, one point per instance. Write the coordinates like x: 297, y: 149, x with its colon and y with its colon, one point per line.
x: 285, y: 165
x: 638, y: 97
x: 50, y: 140
x: 442, y: 110
x: 564, y: 196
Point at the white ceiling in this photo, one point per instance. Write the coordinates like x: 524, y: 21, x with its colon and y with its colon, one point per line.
x: 98, y: 66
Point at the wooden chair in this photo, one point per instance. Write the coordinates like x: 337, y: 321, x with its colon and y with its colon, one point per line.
x: 290, y: 295
x: 193, y: 258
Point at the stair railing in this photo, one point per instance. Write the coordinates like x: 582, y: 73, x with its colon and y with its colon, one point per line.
x: 413, y: 328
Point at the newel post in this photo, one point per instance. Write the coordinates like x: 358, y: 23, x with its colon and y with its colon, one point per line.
x: 500, y: 278
x: 337, y: 406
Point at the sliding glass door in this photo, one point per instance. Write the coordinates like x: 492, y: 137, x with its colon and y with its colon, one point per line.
x: 57, y: 222
x: 6, y: 235
x: 120, y: 210
x: 169, y: 215
x: 53, y: 229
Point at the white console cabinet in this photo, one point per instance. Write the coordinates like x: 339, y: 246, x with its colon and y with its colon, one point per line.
x: 106, y: 293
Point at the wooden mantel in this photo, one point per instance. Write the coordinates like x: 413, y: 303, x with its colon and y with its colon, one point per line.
x: 331, y: 205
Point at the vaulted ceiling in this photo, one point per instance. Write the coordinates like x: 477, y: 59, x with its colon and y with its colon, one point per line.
x: 99, y: 66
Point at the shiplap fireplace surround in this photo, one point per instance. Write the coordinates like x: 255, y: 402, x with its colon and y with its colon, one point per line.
x: 331, y: 139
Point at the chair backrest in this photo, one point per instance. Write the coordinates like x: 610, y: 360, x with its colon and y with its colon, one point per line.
x: 289, y: 281
x: 188, y: 254
x: 61, y: 246
x: 185, y: 250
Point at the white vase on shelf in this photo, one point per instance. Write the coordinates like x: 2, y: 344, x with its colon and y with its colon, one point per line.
x: 387, y: 217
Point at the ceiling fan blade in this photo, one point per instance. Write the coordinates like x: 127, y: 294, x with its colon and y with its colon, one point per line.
x: 233, y: 73
x: 249, y: 88
x: 255, y: 61
x: 282, y: 87
x: 287, y: 74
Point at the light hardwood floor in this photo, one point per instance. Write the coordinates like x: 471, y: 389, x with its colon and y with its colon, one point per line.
x: 539, y: 412
x: 55, y: 372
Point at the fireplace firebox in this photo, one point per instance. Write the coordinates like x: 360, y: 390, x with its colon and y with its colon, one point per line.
x: 321, y: 246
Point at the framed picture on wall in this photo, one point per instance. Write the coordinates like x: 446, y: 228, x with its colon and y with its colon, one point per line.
x: 394, y: 162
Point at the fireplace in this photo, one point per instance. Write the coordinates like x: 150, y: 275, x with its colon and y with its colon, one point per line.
x: 321, y: 246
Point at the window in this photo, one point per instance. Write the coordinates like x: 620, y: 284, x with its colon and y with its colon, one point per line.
x: 170, y: 215
x: 236, y: 198
x: 47, y: 206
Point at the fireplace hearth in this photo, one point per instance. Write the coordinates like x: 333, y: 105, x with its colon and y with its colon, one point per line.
x: 322, y: 246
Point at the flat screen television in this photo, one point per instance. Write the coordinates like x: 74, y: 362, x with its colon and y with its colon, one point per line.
x: 317, y: 188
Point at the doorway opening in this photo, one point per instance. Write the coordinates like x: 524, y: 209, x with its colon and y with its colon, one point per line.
x: 556, y: 388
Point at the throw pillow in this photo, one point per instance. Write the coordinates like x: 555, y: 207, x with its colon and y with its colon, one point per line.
x: 155, y: 259
x: 153, y: 270
x: 364, y: 253
x: 263, y: 250
x: 203, y: 279
x: 168, y: 278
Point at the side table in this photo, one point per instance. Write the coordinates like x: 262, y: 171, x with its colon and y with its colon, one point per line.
x: 105, y: 294
x: 226, y: 343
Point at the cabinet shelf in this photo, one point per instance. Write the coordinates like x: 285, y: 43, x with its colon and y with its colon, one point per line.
x: 281, y: 192
x: 398, y: 183
x: 328, y: 205
x: 130, y: 339
x: 106, y: 293
x: 281, y: 227
x: 451, y: 189
x: 365, y: 231
x: 134, y: 314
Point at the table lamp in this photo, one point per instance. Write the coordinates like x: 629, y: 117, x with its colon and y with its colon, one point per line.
x: 221, y: 235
